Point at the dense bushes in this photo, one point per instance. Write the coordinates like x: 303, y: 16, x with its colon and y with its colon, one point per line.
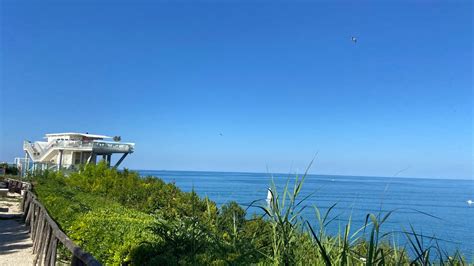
x: 122, y: 218
x: 119, y: 217
x: 112, y: 233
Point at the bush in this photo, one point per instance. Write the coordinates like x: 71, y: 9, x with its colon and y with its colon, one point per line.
x: 111, y: 213
x: 110, y: 234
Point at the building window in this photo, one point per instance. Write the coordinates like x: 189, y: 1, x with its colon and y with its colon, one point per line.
x: 77, y: 158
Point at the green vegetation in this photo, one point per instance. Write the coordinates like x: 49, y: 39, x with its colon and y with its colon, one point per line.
x: 122, y: 218
x: 10, y: 170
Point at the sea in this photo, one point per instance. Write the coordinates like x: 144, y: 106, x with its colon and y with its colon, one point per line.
x: 436, y: 208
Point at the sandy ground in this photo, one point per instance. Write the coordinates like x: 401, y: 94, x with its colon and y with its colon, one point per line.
x: 10, y: 204
x: 15, y: 242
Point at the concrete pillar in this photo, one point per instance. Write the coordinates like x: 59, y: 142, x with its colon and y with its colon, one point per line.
x: 24, y: 169
x: 60, y: 161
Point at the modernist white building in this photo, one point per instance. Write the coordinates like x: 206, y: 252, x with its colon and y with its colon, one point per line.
x: 70, y: 150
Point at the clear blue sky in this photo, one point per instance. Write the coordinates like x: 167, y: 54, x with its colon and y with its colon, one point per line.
x: 280, y: 81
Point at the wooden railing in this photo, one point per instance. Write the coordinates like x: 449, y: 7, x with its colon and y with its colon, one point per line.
x: 46, y: 235
x: 15, y: 186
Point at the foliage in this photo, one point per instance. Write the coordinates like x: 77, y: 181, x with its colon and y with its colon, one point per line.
x: 112, y: 233
x: 122, y: 218
x: 9, y: 169
x: 130, y: 190
x: 109, y: 212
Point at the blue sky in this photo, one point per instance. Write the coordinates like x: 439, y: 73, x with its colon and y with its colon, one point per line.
x: 281, y: 81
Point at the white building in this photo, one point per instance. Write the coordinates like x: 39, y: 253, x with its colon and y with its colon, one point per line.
x: 69, y: 150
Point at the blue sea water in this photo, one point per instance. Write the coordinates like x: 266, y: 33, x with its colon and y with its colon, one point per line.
x: 434, y: 207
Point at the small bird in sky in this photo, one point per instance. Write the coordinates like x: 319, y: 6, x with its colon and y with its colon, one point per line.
x: 354, y: 39
x: 470, y: 202
x: 220, y: 134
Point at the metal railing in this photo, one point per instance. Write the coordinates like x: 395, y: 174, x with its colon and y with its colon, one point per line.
x: 100, y: 146
x: 46, y: 234
x: 28, y: 146
x: 72, y: 144
x: 113, y: 146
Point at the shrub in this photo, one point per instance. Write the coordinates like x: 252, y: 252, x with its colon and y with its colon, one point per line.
x: 110, y: 234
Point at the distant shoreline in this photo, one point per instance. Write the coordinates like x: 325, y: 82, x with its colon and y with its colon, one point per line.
x: 301, y: 174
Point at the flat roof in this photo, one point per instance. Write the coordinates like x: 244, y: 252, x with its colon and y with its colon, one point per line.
x: 92, y: 136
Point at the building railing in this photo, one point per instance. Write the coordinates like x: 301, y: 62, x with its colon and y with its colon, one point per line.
x: 113, y: 146
x: 28, y: 146
x: 72, y: 144
x: 98, y: 145
x: 46, y: 235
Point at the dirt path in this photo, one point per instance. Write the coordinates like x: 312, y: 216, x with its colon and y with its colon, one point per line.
x: 10, y: 204
x: 15, y: 242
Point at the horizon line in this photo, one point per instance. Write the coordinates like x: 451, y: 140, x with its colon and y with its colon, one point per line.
x: 276, y: 173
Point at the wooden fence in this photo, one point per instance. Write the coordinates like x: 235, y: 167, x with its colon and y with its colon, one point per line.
x: 46, y: 235
x: 16, y: 186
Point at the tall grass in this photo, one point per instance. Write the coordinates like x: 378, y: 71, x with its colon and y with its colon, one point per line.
x: 366, y: 245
